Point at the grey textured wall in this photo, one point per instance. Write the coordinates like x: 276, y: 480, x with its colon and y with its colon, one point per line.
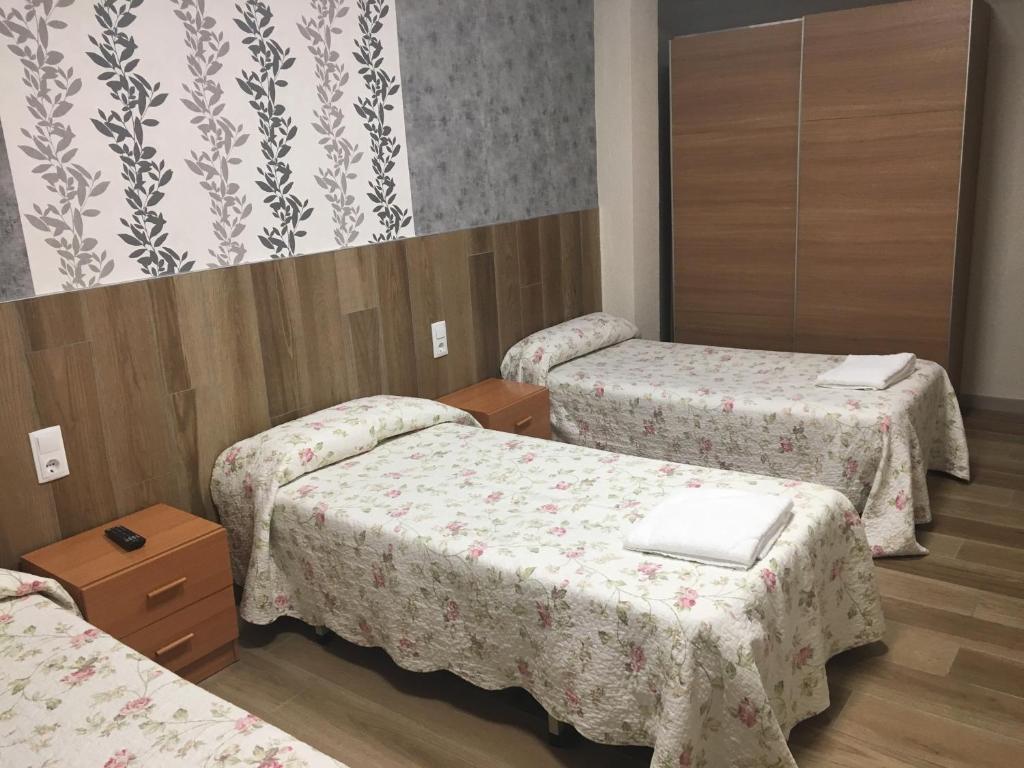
x: 499, y: 109
x: 15, y: 278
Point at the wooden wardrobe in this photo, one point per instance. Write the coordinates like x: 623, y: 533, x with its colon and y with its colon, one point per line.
x: 823, y: 180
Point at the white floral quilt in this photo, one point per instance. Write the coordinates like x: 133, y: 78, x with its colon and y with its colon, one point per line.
x: 71, y: 695
x: 501, y: 559
x: 754, y: 411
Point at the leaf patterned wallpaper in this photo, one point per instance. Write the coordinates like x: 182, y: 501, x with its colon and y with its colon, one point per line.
x: 156, y: 137
x: 143, y: 138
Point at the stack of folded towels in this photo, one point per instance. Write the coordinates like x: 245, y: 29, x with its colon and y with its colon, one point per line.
x: 869, y: 371
x: 716, y: 526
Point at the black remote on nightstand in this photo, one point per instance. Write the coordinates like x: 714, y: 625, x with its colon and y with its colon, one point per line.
x: 125, y: 538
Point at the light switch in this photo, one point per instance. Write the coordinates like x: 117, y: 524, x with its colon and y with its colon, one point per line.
x: 439, y: 335
x: 49, y: 455
x: 49, y: 440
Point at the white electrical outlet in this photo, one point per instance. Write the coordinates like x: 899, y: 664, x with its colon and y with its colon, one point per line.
x: 439, y: 335
x: 48, y: 452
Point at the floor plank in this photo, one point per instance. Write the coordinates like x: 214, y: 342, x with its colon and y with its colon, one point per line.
x: 955, y: 696
x: 992, y: 555
x: 918, y: 648
x: 1002, y: 478
x: 910, y: 733
x: 935, y: 594
x: 996, y: 452
x: 963, y: 528
x: 972, y: 498
x: 957, y: 571
x: 995, y: 421
x: 827, y: 748
x: 993, y: 673
x: 953, y: 624
x: 940, y: 543
x: 1000, y: 609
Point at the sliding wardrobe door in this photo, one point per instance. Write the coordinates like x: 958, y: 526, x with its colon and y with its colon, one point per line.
x: 883, y: 110
x: 735, y: 112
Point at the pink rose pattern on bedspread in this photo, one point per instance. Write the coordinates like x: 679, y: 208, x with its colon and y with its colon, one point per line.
x: 247, y: 476
x: 759, y: 411
x: 530, y: 360
x: 71, y: 695
x: 501, y: 559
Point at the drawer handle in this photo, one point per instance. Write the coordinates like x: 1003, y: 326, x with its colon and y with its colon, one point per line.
x: 159, y: 591
x: 176, y: 644
x: 524, y: 423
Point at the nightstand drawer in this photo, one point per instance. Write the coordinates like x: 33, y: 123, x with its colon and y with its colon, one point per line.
x: 138, y: 596
x: 506, y: 406
x: 190, y: 634
x: 528, y: 416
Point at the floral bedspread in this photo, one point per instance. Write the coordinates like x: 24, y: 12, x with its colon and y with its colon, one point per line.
x: 247, y: 476
x: 758, y: 411
x: 530, y: 360
x: 71, y: 695
x: 502, y: 560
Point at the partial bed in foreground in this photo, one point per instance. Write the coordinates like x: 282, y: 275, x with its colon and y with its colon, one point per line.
x: 400, y: 523
x: 752, y: 411
x: 71, y: 695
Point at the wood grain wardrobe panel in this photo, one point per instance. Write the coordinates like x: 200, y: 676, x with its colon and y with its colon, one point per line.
x: 882, y: 155
x: 878, y: 210
x: 737, y: 79
x: 736, y: 212
x: 734, y: 149
x: 886, y: 59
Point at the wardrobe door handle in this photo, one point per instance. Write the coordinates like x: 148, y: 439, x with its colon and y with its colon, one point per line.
x: 166, y: 588
x: 176, y: 644
x: 524, y: 423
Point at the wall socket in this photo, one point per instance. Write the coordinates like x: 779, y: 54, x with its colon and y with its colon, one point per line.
x: 439, y: 335
x: 48, y: 452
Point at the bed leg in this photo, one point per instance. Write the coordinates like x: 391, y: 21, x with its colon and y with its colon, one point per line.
x: 557, y: 731
x: 323, y: 634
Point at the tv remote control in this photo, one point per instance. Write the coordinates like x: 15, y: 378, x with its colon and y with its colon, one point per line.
x: 125, y: 538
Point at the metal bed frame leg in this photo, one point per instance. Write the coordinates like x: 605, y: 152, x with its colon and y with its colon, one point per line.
x: 323, y: 634
x: 557, y: 731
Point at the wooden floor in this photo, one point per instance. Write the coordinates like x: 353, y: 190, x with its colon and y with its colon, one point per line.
x: 945, y: 689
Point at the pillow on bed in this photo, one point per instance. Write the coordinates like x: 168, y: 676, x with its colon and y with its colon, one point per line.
x: 247, y: 475
x: 530, y: 360
x: 14, y: 584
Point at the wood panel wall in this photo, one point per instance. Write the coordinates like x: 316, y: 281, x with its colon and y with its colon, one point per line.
x: 150, y: 381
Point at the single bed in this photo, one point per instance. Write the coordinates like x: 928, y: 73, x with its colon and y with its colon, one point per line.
x: 752, y: 411
x: 399, y: 523
x: 71, y: 695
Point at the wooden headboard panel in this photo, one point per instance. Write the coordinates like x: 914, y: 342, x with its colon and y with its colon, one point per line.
x: 150, y: 381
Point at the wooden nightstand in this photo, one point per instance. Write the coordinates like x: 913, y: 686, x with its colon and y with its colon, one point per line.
x: 172, y: 600
x: 506, y: 406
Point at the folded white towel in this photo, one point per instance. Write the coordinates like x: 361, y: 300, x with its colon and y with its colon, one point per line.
x: 717, y: 526
x: 869, y: 371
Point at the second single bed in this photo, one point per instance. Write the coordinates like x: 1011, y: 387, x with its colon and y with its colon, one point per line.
x: 752, y: 411
x: 400, y: 523
x: 72, y: 696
